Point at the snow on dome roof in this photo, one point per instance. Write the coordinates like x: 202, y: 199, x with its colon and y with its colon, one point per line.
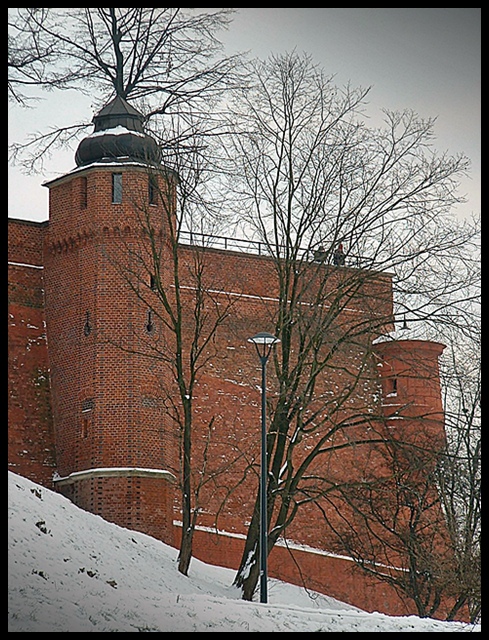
x: 118, y: 135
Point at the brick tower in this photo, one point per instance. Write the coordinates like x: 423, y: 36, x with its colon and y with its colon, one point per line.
x: 114, y: 455
x: 410, y: 379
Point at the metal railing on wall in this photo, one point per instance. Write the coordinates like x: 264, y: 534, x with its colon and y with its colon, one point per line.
x: 260, y: 248
x: 223, y: 242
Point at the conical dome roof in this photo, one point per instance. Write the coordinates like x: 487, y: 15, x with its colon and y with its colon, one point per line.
x: 118, y: 136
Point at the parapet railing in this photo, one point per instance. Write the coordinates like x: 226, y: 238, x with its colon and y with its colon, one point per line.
x: 261, y: 248
x: 223, y: 242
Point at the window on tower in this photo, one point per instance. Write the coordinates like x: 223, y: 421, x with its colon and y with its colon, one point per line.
x: 152, y: 189
x: 83, y: 192
x: 150, y: 326
x: 392, y: 387
x: 85, y: 427
x: 116, y: 188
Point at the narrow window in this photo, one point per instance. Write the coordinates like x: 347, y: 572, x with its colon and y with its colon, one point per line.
x: 83, y: 193
x: 150, y: 327
x: 152, y: 282
x: 152, y: 189
x: 87, y: 327
x: 393, y: 386
x: 116, y: 188
x: 85, y: 427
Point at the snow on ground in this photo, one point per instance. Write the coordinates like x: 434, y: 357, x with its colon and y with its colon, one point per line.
x: 70, y: 570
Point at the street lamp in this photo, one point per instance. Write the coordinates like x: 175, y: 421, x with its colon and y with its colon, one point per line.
x: 263, y: 342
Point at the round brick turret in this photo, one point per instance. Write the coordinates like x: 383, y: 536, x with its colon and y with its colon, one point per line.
x: 116, y: 453
x: 411, y: 394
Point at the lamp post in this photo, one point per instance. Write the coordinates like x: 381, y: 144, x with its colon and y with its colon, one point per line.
x: 263, y: 342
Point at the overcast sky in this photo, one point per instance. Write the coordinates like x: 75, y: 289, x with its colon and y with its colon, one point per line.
x: 427, y: 60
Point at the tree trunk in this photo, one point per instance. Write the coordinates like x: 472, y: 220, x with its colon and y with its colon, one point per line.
x: 249, y: 568
x: 185, y: 555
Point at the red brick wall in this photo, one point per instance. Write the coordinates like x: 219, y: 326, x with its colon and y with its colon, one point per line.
x: 110, y: 401
x: 228, y: 392
x: 334, y: 576
x: 138, y: 503
x: 25, y: 241
x: 31, y: 449
x: 328, y: 574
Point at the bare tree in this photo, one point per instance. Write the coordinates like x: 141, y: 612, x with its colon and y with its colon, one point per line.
x: 29, y: 54
x: 312, y: 176
x: 175, y: 286
x: 163, y: 60
x: 459, y: 476
x: 416, y: 524
x: 392, y: 525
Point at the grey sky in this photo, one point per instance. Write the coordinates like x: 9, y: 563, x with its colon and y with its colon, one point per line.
x: 427, y: 60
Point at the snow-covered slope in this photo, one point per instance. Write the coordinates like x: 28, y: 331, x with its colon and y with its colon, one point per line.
x: 70, y: 570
